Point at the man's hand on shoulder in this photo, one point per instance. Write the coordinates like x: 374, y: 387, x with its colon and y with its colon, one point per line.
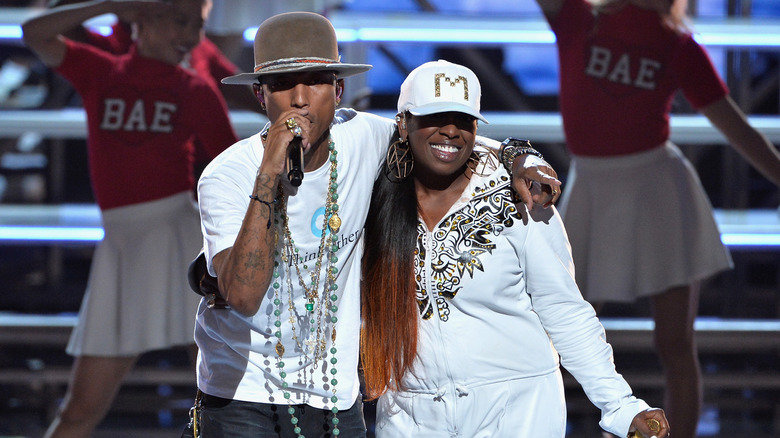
x: 528, y: 169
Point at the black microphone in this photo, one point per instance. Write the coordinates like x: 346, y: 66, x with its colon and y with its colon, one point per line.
x: 295, y: 162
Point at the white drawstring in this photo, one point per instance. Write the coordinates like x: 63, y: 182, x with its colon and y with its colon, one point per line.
x: 462, y: 391
x: 439, y: 393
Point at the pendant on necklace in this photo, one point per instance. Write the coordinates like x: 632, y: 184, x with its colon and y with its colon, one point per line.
x: 279, y: 349
x: 334, y: 223
x: 310, y: 305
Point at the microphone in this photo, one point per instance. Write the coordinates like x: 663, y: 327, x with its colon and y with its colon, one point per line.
x: 295, y: 162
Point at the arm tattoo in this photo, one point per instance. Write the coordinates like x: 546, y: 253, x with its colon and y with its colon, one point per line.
x: 253, y: 260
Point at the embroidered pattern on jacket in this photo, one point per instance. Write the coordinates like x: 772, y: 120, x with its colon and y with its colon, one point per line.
x: 457, y: 243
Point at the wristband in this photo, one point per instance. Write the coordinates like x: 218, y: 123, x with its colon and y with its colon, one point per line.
x: 267, y: 204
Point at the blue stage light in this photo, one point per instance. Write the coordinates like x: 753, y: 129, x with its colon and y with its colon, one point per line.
x: 750, y: 239
x: 50, y: 234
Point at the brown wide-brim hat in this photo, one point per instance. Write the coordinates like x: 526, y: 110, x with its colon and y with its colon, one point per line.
x: 296, y: 42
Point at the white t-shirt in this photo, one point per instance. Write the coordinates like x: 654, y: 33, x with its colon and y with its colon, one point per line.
x: 237, y: 357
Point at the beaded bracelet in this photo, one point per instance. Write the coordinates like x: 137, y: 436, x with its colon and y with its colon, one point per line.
x: 267, y: 204
x: 511, y: 148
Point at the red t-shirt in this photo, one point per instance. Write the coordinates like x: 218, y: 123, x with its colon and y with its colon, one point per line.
x: 142, y: 116
x: 205, y: 59
x: 619, y: 74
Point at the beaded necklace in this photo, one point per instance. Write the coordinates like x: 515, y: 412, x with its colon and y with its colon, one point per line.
x: 321, y: 308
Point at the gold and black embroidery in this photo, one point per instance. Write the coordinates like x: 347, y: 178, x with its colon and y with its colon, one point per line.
x: 457, y: 244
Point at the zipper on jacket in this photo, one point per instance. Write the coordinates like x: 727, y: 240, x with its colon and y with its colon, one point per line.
x: 441, y: 354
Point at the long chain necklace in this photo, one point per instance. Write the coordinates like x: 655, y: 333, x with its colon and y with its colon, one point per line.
x: 321, y: 308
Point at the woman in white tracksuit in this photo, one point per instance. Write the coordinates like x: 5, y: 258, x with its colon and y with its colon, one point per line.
x: 496, y: 310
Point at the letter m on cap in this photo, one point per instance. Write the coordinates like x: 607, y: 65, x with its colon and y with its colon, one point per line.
x: 459, y: 80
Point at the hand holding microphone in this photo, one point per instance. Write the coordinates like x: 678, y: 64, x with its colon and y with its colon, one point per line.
x: 295, y: 154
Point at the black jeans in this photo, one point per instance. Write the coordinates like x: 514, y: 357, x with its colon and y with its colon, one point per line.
x: 224, y: 418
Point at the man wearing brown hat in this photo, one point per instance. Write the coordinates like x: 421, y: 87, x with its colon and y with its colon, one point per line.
x: 282, y: 359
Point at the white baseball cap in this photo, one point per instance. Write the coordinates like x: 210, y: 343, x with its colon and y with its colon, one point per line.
x: 438, y: 87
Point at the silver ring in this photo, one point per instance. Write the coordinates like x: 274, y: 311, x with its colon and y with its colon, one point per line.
x: 296, y: 131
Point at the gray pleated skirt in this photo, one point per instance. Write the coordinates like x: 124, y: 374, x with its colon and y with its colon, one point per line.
x: 639, y: 224
x: 137, y: 296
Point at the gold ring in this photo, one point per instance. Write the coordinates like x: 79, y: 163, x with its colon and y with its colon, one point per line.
x: 654, y: 425
x: 291, y: 123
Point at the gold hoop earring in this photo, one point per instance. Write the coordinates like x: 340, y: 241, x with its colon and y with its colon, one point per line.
x: 399, y: 160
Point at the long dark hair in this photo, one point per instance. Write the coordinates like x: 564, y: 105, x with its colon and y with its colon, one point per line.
x: 388, y: 340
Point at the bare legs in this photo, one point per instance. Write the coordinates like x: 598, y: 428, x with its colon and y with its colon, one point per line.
x: 674, y: 312
x: 94, y: 382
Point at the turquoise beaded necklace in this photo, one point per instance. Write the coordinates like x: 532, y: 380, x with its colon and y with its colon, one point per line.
x: 321, y: 309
